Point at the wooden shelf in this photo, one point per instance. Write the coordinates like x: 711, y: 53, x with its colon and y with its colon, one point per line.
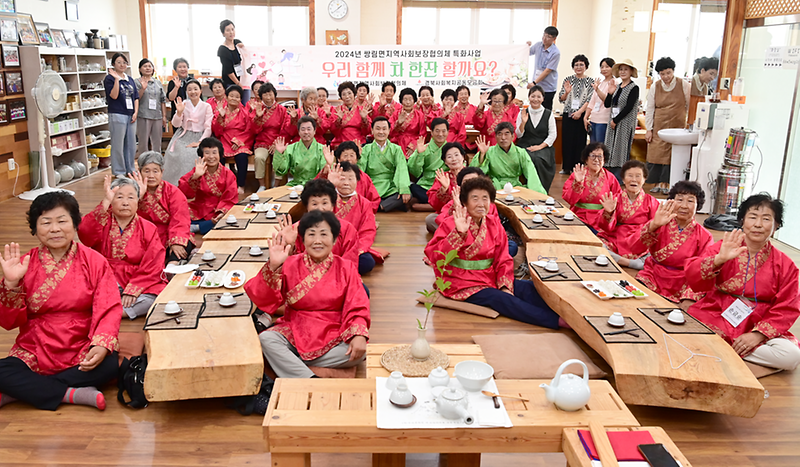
x: 65, y: 132
x: 30, y: 60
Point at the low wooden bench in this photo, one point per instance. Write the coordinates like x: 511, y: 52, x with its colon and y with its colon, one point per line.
x: 338, y: 415
x: 576, y: 454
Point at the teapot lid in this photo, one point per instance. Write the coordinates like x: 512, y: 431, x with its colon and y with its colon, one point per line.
x: 438, y: 371
x: 453, y: 394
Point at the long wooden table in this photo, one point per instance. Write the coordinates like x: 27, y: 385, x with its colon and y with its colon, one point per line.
x: 258, y: 231
x: 220, y: 358
x: 338, y: 415
x: 580, y: 234
x: 643, y: 372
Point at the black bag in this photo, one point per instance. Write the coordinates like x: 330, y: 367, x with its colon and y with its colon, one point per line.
x: 131, y: 380
x: 248, y: 405
x: 724, y: 222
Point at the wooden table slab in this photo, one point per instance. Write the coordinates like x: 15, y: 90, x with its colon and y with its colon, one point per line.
x: 456, y: 352
x: 643, y: 372
x: 576, y: 235
x: 257, y: 231
x: 576, y: 454
x: 221, y: 358
x: 338, y: 415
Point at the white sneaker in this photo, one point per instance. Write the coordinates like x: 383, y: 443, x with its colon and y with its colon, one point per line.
x: 241, y: 190
x: 261, y: 188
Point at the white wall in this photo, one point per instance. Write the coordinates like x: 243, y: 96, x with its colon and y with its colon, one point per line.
x: 624, y: 42
x: 351, y: 22
x: 116, y: 16
x: 379, y: 22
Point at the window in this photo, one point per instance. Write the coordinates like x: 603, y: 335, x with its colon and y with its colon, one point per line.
x: 192, y: 31
x: 480, y: 26
x: 690, y: 33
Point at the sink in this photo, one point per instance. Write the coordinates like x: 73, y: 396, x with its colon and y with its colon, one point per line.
x: 679, y: 136
x: 682, y: 141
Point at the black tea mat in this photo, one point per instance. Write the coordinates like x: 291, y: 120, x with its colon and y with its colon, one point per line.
x: 546, y: 224
x: 243, y: 255
x: 600, y: 324
x: 212, y: 308
x: 160, y: 321
x: 691, y: 325
x: 240, y: 224
x: 586, y: 264
x: 564, y: 268
x: 214, y: 265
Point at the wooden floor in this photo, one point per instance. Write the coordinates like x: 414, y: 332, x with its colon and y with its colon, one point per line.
x: 206, y: 433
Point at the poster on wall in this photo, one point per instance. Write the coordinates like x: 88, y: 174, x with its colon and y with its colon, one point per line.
x: 292, y: 68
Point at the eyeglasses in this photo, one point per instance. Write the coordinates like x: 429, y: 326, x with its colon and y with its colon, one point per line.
x: 598, y: 157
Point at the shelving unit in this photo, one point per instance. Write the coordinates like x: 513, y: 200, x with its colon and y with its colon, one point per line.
x: 30, y: 58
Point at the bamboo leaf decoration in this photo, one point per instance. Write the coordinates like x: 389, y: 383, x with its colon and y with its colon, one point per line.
x: 440, y: 285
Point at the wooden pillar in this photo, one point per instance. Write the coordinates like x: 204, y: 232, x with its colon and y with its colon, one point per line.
x: 554, y: 13
x: 731, y: 41
x: 311, y: 23
x: 399, y: 22
x: 143, y: 26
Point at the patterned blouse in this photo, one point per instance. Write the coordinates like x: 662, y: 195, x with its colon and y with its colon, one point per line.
x: 581, y: 90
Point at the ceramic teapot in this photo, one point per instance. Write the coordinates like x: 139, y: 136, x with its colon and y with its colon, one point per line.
x: 568, y: 392
x: 452, y: 404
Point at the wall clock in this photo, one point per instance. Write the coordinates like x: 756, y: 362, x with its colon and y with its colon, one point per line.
x: 337, y: 9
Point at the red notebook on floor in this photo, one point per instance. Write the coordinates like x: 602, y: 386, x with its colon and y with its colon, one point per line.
x: 625, y: 444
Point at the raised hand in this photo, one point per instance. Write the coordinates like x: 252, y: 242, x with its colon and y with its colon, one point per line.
x: 335, y: 175
x: 457, y: 197
x: 292, y: 111
x: 481, y: 143
x: 731, y: 247
x: 279, y: 250
x: 280, y: 144
x: 110, y: 193
x: 175, y: 80
x: 484, y: 100
x: 444, y: 179
x: 580, y: 173
x: 14, y: 269
x: 664, y: 214
x: 524, y: 117
x: 222, y: 110
x: 567, y: 87
x: 421, y: 146
x: 180, y: 106
x: 447, y: 109
x: 200, y: 168
x: 364, y: 112
x: 329, y: 157
x: 261, y: 108
x: 288, y: 229
x: 383, y: 99
x: 609, y: 202
x: 370, y: 99
x: 137, y: 177
x: 312, y: 112
x: 461, y: 218
x: 402, y: 117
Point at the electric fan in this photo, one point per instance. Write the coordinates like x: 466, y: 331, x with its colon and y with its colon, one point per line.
x: 50, y: 94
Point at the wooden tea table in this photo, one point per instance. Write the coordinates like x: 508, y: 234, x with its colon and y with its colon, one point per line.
x: 456, y: 352
x: 258, y: 231
x: 338, y: 415
x: 576, y: 454
x: 643, y: 372
x: 579, y: 234
x: 220, y: 358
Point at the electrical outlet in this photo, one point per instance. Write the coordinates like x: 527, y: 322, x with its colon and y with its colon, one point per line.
x: 12, y: 165
x: 726, y: 84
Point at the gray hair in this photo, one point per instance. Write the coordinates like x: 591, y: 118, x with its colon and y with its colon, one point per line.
x: 305, y: 92
x: 123, y: 181
x: 178, y: 61
x: 151, y: 157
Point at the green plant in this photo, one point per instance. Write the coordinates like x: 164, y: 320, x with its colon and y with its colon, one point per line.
x: 440, y: 285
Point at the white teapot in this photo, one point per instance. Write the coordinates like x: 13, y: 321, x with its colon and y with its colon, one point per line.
x: 568, y: 392
x: 452, y: 404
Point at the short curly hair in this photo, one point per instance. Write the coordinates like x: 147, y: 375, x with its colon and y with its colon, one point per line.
x: 758, y: 200
x: 344, y: 86
x: 480, y: 183
x: 318, y: 187
x: 49, y: 201
x: 591, y: 147
x: 664, y: 63
x: 448, y: 146
x: 685, y: 187
x: 345, y: 146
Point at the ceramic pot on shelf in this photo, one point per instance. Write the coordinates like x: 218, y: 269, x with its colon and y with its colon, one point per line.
x: 420, y: 349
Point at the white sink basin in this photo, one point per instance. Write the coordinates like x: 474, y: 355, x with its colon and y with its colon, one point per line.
x: 679, y: 136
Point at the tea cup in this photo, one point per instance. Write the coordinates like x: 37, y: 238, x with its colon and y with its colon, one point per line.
x: 254, y: 197
x: 401, y: 395
x: 616, y: 320
x: 394, y: 379
x: 676, y: 317
x: 293, y: 195
x: 551, y: 266
x: 231, y: 219
x: 209, y: 256
x: 271, y: 214
x: 568, y: 216
x: 550, y: 201
x: 538, y: 218
x: 172, y: 307
x: 510, y: 198
x: 601, y: 260
x: 255, y: 250
x: 227, y: 299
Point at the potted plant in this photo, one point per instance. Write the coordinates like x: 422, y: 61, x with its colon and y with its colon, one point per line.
x: 420, y: 349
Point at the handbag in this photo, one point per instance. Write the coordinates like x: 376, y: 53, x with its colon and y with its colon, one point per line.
x: 131, y: 380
